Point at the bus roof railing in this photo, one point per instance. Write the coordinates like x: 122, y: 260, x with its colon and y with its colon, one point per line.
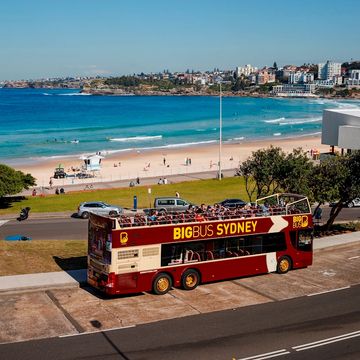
x: 215, y: 213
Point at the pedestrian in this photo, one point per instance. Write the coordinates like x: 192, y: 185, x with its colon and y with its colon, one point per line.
x: 160, y: 182
x: 177, y: 194
x: 165, y: 181
x: 164, y: 161
x: 34, y: 192
x: 50, y: 183
x: 138, y: 180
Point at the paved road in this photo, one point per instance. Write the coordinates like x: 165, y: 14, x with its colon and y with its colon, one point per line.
x: 319, y: 327
x: 68, y: 228
x: 46, y: 229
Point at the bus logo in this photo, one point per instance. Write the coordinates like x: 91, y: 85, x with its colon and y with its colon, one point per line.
x: 123, y: 238
x: 300, y: 221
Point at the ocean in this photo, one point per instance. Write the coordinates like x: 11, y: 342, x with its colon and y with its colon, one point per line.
x: 42, y: 123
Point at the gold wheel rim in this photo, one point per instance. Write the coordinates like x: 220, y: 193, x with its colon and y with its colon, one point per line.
x: 284, y: 265
x: 163, y: 284
x: 190, y: 280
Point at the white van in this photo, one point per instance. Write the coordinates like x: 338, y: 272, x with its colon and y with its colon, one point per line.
x: 163, y: 204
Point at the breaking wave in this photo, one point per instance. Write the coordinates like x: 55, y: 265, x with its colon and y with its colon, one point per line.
x: 136, y: 138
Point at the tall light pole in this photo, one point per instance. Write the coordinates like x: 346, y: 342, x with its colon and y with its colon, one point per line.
x: 220, y: 135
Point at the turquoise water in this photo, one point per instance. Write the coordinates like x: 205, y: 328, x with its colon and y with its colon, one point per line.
x: 42, y: 123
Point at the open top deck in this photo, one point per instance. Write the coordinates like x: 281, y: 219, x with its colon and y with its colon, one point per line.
x: 273, y: 205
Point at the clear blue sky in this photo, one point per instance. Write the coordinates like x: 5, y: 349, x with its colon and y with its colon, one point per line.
x: 42, y: 38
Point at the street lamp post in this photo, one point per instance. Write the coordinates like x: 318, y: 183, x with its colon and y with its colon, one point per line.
x: 220, y: 134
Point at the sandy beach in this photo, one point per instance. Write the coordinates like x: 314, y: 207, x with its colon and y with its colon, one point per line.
x: 163, y: 162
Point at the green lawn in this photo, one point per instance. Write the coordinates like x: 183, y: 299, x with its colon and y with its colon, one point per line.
x: 26, y: 257
x: 197, y: 192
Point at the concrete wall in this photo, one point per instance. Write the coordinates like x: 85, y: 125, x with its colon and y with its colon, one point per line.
x: 333, y: 120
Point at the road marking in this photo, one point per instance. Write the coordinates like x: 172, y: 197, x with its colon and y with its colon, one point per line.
x: 326, y: 341
x: 329, y: 291
x: 354, y: 257
x: 97, y: 331
x: 2, y: 222
x: 268, y: 355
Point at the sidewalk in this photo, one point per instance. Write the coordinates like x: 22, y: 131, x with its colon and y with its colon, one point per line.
x: 76, y: 278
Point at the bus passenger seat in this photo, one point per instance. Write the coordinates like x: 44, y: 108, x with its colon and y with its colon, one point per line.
x: 209, y: 255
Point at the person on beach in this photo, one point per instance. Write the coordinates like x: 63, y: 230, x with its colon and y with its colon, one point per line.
x: 164, y: 161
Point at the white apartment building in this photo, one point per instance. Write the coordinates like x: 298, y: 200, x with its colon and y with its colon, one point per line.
x: 328, y: 70
x: 300, y: 77
x: 353, y: 82
x: 245, y: 70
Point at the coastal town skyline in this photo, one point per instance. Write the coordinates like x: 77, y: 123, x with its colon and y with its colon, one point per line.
x: 88, y: 39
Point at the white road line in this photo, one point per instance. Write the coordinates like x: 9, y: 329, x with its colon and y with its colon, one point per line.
x: 2, y: 222
x: 268, y: 355
x: 326, y: 341
x: 329, y: 291
x: 354, y: 257
x: 96, y: 331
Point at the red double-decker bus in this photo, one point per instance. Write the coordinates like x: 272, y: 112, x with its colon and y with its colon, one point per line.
x: 139, y: 253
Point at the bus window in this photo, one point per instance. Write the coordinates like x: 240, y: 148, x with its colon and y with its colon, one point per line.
x: 273, y: 242
x: 302, y: 239
x: 219, y: 249
x: 305, y: 240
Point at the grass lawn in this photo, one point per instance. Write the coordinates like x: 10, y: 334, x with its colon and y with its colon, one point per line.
x: 27, y: 257
x: 197, y: 192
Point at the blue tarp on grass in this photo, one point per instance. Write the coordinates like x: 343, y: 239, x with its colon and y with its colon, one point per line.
x: 17, y: 238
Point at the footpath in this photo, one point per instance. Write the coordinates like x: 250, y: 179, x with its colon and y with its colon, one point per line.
x: 77, y: 278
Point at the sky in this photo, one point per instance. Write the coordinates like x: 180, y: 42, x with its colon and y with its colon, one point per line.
x: 46, y: 38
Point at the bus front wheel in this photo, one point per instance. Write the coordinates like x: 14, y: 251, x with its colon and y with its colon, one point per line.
x: 162, y: 284
x: 190, y: 279
x: 284, y: 265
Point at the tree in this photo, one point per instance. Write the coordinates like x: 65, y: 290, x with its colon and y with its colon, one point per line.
x: 269, y: 171
x: 13, y: 181
x: 348, y: 183
x: 261, y: 171
x: 294, y: 172
x: 275, y: 65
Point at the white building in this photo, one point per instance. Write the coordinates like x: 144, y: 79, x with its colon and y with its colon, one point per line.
x: 246, y: 70
x: 354, y: 80
x: 341, y: 127
x: 300, y: 77
x: 328, y: 70
x: 294, y: 90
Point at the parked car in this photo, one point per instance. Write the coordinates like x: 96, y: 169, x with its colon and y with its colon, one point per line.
x: 232, y: 203
x: 99, y: 208
x: 164, y: 204
x: 59, y: 173
x: 350, y: 204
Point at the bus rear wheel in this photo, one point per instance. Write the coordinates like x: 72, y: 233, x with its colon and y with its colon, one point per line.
x: 190, y: 279
x: 162, y: 284
x: 284, y: 265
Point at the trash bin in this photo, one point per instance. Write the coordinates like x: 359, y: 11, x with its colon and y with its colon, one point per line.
x: 135, y: 202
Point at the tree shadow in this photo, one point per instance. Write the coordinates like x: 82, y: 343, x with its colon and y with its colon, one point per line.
x: 7, y: 202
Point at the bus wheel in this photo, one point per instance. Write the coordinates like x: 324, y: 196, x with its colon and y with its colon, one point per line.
x: 162, y: 284
x: 284, y: 265
x: 190, y: 279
